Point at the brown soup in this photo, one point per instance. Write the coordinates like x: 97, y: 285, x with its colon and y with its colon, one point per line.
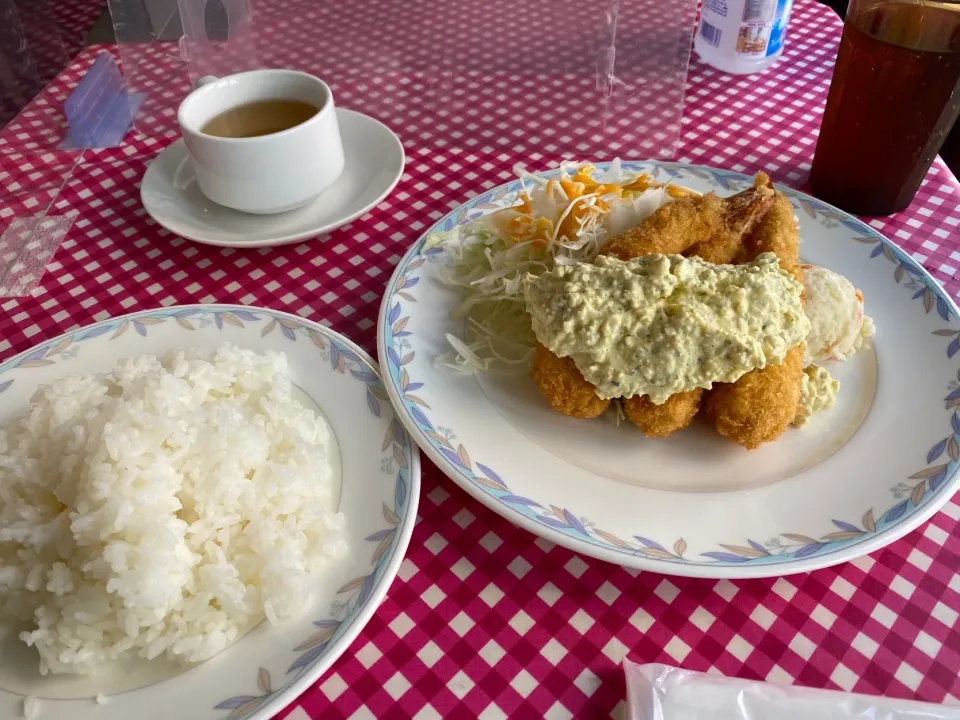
x: 264, y: 117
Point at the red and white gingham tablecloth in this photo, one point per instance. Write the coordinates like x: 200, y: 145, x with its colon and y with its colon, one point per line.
x: 484, y: 619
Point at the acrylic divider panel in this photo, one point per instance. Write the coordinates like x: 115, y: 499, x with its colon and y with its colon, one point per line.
x: 577, y: 78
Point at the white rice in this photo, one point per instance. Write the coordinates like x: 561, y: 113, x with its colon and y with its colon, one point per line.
x: 164, y: 508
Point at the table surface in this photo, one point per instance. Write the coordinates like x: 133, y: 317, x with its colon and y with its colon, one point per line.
x: 485, y: 619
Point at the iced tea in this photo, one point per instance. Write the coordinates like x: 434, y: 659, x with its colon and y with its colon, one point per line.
x: 894, y: 97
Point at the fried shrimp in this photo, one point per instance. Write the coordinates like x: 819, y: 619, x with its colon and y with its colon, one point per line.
x: 722, y: 225
x: 738, y: 215
x: 777, y: 233
x: 671, y: 229
x: 760, y: 406
x: 660, y: 421
x: 563, y: 387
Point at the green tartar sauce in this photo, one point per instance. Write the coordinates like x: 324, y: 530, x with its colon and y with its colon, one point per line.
x: 664, y: 324
x: 818, y: 392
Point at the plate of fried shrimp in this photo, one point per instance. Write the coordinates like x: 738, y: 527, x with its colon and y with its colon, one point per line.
x: 677, y: 368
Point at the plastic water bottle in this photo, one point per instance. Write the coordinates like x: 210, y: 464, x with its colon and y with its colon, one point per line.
x: 742, y: 36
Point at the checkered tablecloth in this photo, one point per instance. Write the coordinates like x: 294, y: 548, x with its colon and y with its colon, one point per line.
x: 485, y: 619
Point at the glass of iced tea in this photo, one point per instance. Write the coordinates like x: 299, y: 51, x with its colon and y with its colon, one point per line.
x: 894, y: 97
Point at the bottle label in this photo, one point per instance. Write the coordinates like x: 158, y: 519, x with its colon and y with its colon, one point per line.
x: 749, y: 28
x: 778, y: 32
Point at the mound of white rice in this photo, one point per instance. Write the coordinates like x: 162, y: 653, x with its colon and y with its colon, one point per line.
x: 164, y: 508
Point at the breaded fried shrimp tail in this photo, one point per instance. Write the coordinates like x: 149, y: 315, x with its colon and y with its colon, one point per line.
x: 777, y: 233
x: 662, y: 420
x: 760, y: 406
x: 563, y: 387
x: 738, y: 215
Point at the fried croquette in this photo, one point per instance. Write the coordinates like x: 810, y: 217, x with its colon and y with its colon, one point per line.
x: 563, y: 387
x: 760, y: 406
x: 659, y: 421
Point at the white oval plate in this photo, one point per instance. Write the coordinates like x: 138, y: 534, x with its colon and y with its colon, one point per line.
x: 380, y: 469
x: 374, y: 164
x: 854, y: 479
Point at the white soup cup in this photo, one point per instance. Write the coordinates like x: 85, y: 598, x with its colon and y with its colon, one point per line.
x: 269, y: 173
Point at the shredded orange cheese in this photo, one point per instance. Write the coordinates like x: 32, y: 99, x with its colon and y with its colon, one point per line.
x: 523, y: 226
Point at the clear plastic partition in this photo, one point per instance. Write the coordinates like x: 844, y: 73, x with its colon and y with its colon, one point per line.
x: 558, y: 76
x: 31, y: 52
x: 565, y: 78
x: 32, y: 170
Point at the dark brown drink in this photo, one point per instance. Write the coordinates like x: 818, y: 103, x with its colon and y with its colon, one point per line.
x: 894, y: 97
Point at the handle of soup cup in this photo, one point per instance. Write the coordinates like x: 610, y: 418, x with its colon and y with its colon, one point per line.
x: 205, y: 80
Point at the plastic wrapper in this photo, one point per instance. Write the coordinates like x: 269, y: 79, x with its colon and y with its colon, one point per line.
x: 661, y: 692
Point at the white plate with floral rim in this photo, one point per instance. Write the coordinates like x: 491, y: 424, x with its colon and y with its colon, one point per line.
x: 380, y: 480
x: 854, y: 479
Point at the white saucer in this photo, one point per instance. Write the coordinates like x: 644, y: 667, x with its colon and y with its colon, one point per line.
x: 374, y: 165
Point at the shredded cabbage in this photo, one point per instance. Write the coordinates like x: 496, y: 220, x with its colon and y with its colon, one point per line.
x: 553, y: 222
